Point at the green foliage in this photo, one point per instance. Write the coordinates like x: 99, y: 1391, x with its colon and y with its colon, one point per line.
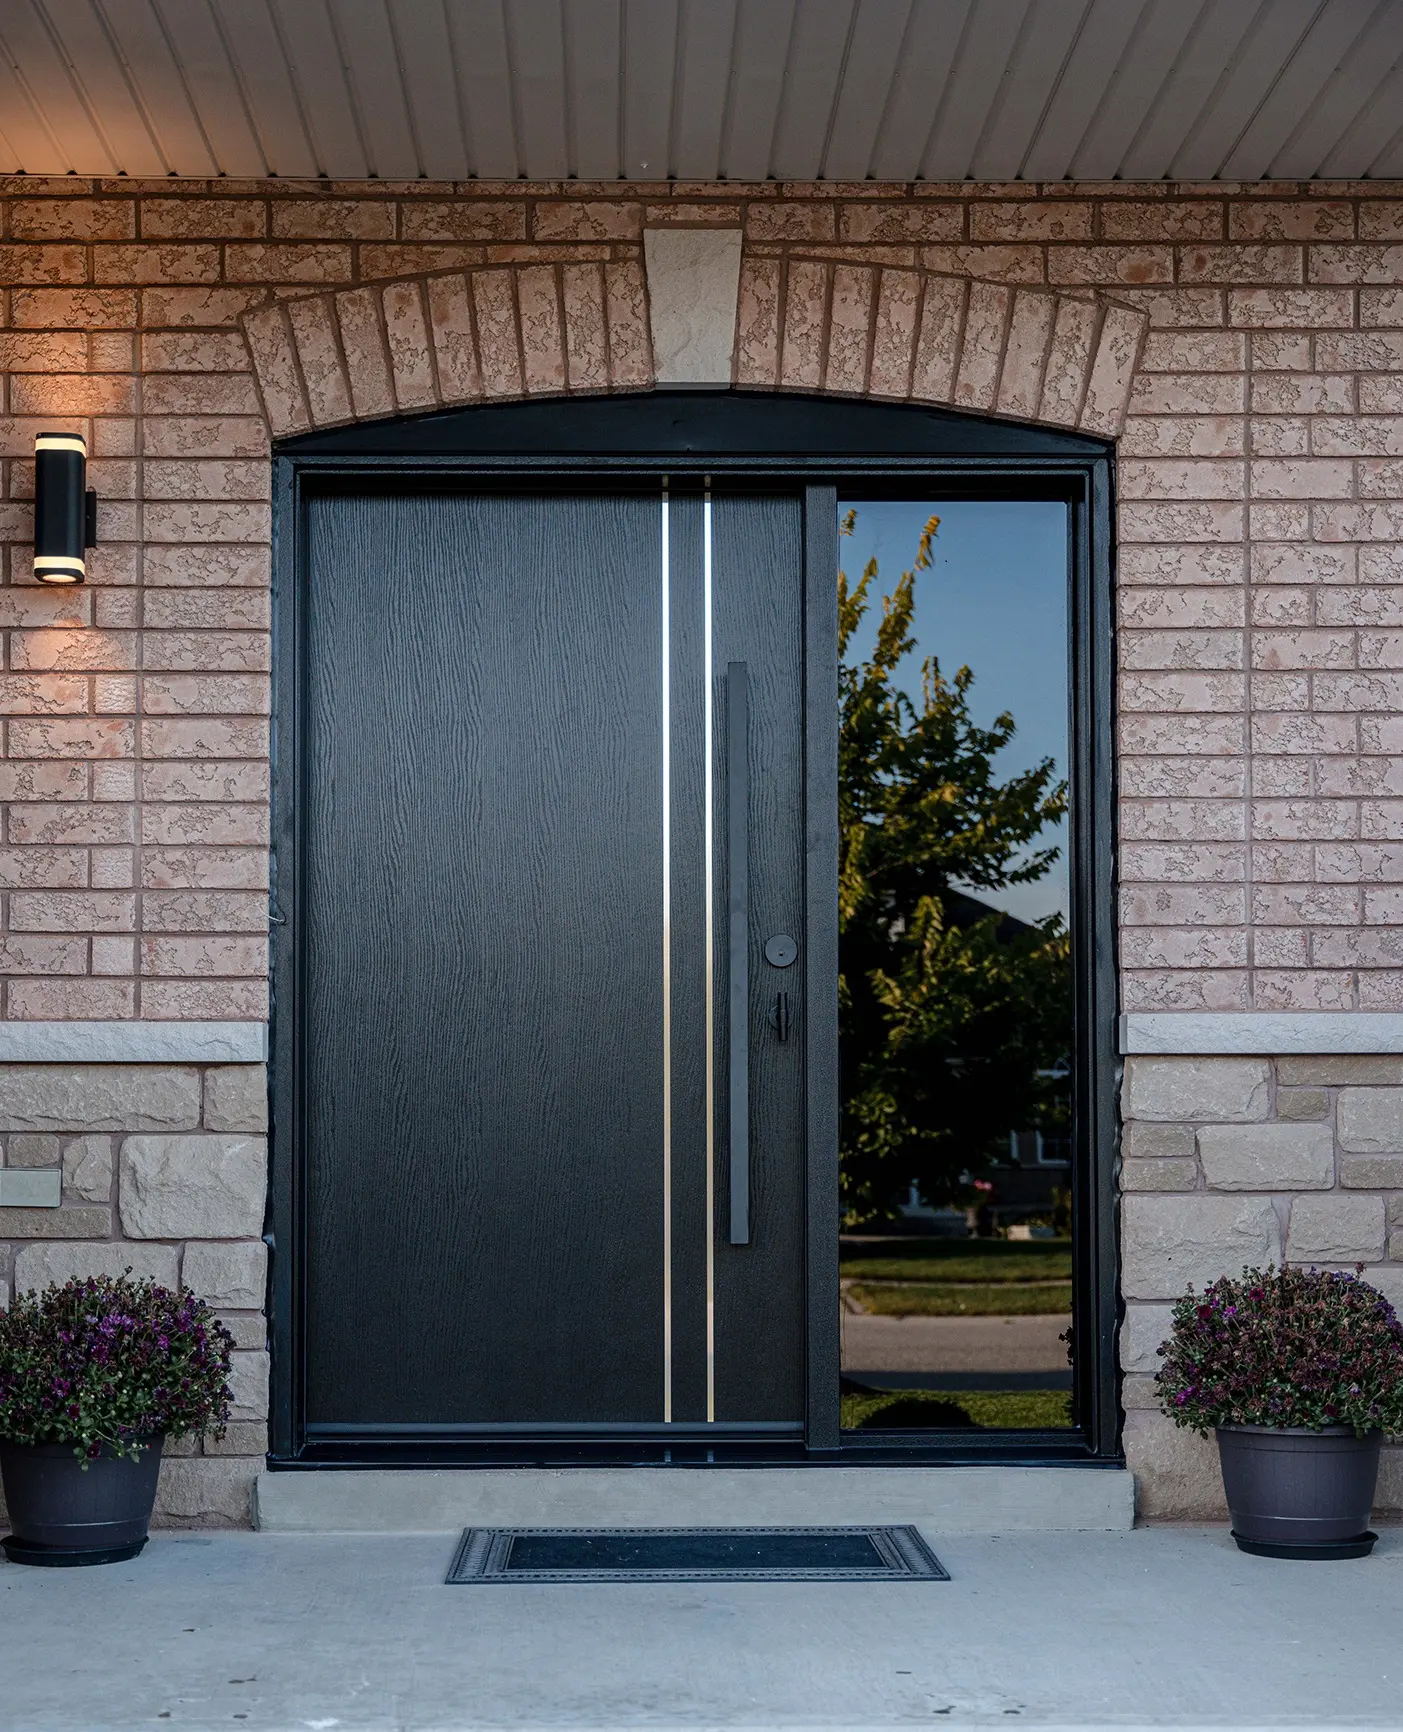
x: 110, y: 1362
x: 964, y: 1298
x: 950, y: 1018
x: 1284, y: 1347
x: 982, y: 1261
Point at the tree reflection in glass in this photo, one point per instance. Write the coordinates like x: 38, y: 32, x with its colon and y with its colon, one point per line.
x: 956, y: 1012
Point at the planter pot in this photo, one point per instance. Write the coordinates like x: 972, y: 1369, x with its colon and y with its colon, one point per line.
x: 62, y: 1515
x: 1297, y: 1493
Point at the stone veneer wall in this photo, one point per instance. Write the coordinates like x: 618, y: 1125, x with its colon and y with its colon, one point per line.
x: 164, y: 1174
x: 1229, y: 1162
x: 1244, y: 346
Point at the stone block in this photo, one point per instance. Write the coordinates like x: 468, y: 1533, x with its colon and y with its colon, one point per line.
x: 206, y: 1492
x: 1167, y: 1242
x: 71, y: 1223
x: 1388, y: 1496
x: 1372, y: 1172
x: 1302, y: 1106
x: 248, y: 1384
x: 1177, y: 1477
x: 1388, y: 1279
x: 1279, y: 1157
x: 206, y: 1187
x: 1182, y: 1090
x: 1143, y: 1329
x: 30, y: 1188
x: 226, y: 1273
x: 242, y: 1437
x: 87, y: 1168
x: 1159, y: 1175
x: 1338, y: 1070
x: 39, y: 1266
x: 1336, y: 1229
x: 248, y: 1328
x: 1146, y: 1142
x: 1370, y: 1121
x: 236, y: 1098
x: 93, y: 1097
x: 1395, y: 1228
x: 32, y: 1151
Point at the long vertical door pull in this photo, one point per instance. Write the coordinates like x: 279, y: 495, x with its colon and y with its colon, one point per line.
x: 738, y: 901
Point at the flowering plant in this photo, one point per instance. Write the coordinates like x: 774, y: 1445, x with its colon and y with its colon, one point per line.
x: 111, y: 1362
x: 1284, y: 1347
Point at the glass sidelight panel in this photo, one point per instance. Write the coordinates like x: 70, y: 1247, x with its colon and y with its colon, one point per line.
x: 956, y: 958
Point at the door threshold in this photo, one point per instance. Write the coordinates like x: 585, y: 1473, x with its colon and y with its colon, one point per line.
x: 682, y: 1430
x: 993, y: 1498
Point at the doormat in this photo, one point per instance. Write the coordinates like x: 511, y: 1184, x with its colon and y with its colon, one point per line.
x: 876, y: 1554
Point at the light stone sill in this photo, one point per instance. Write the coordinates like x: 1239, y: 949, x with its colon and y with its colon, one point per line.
x: 1183, y: 1034
x: 133, y: 1042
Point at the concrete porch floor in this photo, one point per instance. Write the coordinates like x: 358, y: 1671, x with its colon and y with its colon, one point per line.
x: 1165, y: 1626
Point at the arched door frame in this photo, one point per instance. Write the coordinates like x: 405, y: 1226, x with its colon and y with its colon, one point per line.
x: 820, y: 444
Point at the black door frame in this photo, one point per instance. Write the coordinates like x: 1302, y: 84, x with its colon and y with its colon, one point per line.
x: 817, y: 446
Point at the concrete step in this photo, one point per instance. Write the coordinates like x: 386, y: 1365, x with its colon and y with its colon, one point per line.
x: 992, y: 1499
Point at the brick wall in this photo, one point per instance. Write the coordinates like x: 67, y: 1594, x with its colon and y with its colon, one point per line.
x: 1260, y: 573
x: 1244, y: 346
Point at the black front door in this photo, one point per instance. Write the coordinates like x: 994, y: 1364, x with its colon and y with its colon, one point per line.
x: 550, y: 959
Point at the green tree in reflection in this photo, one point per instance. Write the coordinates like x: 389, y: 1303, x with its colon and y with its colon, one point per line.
x: 952, y: 1014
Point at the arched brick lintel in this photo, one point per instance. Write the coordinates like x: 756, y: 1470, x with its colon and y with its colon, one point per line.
x: 441, y: 340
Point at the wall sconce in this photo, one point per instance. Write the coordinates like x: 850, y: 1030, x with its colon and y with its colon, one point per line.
x: 65, y: 508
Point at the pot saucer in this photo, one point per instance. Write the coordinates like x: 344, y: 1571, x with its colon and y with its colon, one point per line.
x: 20, y: 1551
x: 1359, y: 1547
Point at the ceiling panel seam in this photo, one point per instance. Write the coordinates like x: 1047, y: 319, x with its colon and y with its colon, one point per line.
x: 75, y: 83
x: 41, y: 119
x: 951, y: 71
x: 1283, y: 66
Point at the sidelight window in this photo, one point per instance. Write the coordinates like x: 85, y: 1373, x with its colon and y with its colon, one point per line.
x: 957, y: 1003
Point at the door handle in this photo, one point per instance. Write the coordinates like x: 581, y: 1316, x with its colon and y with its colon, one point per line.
x: 738, y: 912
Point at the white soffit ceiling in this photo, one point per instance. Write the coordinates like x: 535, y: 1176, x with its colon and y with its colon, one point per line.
x: 941, y: 90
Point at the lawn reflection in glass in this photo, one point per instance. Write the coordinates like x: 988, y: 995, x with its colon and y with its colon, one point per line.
x: 956, y: 1253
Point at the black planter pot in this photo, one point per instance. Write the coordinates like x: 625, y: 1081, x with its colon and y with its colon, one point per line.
x: 1297, y: 1493
x: 62, y: 1515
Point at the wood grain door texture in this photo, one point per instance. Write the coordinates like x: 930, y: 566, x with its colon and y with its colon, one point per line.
x: 518, y: 834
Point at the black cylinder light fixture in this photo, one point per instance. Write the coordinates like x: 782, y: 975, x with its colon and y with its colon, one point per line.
x: 65, y: 509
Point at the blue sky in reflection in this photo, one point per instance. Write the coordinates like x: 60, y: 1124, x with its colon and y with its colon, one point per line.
x: 995, y: 599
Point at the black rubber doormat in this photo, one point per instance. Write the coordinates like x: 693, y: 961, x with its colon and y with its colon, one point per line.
x: 875, y: 1554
